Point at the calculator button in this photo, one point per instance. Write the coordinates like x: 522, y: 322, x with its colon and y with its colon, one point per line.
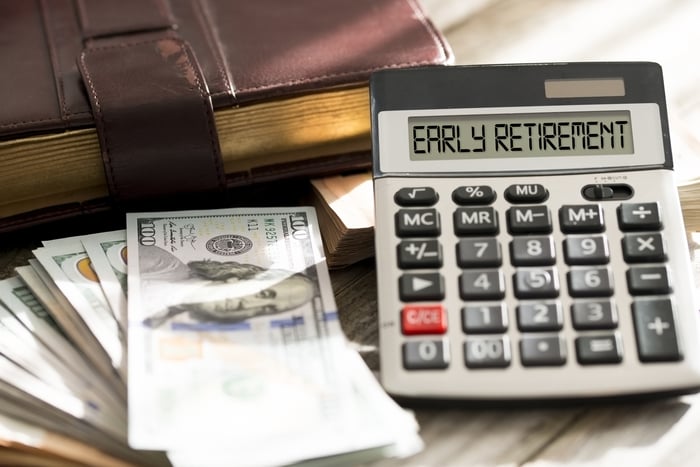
x: 417, y: 223
x: 594, y: 314
x: 655, y: 330
x: 539, y: 316
x: 643, y: 248
x: 532, y: 251
x: 421, y: 287
x: 526, y: 193
x: 416, y: 196
x: 542, y: 351
x: 639, y: 216
x: 648, y: 280
x: 592, y: 350
x: 580, y: 218
x: 487, y: 352
x: 536, y: 283
x: 419, y: 254
x: 589, y: 249
x: 475, y: 221
x: 482, y: 284
x: 478, y: 252
x: 485, y: 318
x: 529, y: 220
x: 425, y: 355
x: 479, y: 194
x: 423, y: 319
x: 590, y: 282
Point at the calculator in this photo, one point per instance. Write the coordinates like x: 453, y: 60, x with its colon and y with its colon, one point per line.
x: 529, y: 237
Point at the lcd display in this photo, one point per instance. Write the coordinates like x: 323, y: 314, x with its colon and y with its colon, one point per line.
x: 520, y: 135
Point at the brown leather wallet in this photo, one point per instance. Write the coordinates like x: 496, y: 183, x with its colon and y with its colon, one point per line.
x: 143, y: 101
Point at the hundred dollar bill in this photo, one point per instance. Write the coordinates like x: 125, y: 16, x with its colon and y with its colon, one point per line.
x: 64, y: 314
x: 234, y: 337
x: 107, y: 252
x: 35, y: 326
x: 81, y: 270
x: 26, y: 368
x: 377, y: 429
x: 70, y: 269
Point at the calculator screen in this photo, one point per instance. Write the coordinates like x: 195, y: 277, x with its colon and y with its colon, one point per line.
x: 449, y: 137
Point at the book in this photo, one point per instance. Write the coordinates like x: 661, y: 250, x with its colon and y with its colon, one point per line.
x: 287, y: 83
x: 345, y: 210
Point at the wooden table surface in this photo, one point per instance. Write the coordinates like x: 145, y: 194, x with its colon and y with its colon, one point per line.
x: 654, y: 433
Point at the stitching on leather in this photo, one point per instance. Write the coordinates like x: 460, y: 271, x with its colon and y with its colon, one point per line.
x: 100, y: 123
x: 336, y: 75
x: 208, y: 118
x: 29, y: 218
x: 202, y: 14
x: 55, y: 59
x: 330, y: 161
x: 420, y: 16
x: 25, y: 122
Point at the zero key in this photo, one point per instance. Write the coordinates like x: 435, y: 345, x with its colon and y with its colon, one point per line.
x: 425, y: 355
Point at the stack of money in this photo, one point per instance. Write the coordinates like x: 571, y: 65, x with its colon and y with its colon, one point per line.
x: 190, y: 338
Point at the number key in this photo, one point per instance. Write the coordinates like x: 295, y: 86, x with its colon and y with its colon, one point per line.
x: 590, y: 282
x: 484, y: 318
x: 478, y: 252
x: 594, y: 314
x: 590, y: 249
x: 482, y: 284
x: 539, y: 316
x: 532, y: 251
x: 536, y: 283
x: 487, y: 352
x: 425, y: 355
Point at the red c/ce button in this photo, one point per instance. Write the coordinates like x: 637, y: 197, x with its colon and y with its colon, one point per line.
x: 423, y: 319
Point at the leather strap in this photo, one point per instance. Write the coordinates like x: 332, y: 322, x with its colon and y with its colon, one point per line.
x: 150, y: 102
